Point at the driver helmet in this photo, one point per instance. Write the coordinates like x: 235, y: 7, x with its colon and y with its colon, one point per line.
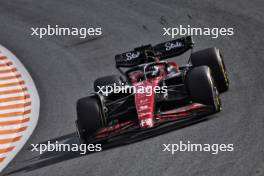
x: 153, y: 71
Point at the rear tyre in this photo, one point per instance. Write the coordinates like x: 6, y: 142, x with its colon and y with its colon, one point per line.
x: 202, y: 89
x: 106, y: 81
x: 89, y: 116
x: 212, y: 58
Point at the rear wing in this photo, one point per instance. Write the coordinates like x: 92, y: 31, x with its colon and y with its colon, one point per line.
x: 163, y: 51
x: 173, y: 48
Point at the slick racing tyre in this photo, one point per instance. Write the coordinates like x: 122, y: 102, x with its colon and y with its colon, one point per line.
x: 107, y: 81
x: 201, y: 87
x: 213, y: 59
x: 89, y: 116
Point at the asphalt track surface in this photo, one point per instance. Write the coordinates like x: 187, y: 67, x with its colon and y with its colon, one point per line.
x: 64, y: 68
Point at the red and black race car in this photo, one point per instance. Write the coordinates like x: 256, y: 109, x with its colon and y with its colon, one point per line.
x: 153, y: 93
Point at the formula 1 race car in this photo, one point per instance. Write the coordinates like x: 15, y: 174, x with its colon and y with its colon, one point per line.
x: 152, y: 94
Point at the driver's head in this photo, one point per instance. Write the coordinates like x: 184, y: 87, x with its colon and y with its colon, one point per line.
x: 153, y: 71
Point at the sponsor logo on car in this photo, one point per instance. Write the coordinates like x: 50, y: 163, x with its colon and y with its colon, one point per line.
x: 170, y: 45
x: 131, y: 55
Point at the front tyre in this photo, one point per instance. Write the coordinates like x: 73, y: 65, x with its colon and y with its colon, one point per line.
x: 212, y: 58
x: 202, y: 88
x: 89, y: 116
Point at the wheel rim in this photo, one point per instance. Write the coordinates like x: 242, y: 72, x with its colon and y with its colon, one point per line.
x: 215, y: 93
x: 217, y: 100
x: 224, y: 70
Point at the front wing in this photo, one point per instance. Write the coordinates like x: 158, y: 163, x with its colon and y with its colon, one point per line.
x: 130, y: 131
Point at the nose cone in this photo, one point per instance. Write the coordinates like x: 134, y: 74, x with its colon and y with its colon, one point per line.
x: 145, y: 104
x: 147, y: 123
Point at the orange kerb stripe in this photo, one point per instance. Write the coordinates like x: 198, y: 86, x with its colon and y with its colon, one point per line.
x: 3, y: 100
x: 8, y: 70
x: 14, y: 114
x: 6, y: 64
x: 1, y: 159
x: 17, y: 130
x: 5, y: 150
x: 3, y: 57
x: 9, y: 140
x: 14, y: 122
x: 13, y: 91
x: 12, y: 84
x: 10, y: 77
x: 14, y: 106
